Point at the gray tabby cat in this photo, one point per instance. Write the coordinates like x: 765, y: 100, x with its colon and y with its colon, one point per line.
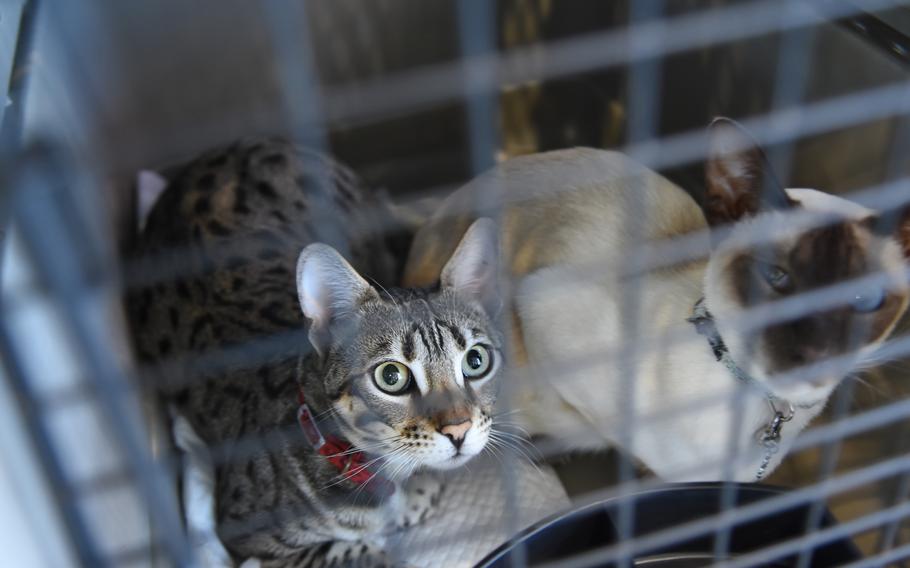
x: 314, y: 447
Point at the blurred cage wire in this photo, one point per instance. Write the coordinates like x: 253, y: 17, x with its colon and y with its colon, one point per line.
x: 417, y: 97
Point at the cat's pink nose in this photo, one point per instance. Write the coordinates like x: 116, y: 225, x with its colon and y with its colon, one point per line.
x: 456, y: 432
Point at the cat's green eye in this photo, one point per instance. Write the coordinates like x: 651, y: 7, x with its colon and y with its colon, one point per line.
x: 392, y: 377
x: 476, y: 362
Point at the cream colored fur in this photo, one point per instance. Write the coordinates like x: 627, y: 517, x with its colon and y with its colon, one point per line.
x: 572, y: 220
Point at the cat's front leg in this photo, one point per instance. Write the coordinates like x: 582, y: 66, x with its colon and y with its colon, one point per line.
x: 338, y: 553
x: 421, y: 497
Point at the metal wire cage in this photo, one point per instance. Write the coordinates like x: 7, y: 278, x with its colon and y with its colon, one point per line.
x: 418, y: 97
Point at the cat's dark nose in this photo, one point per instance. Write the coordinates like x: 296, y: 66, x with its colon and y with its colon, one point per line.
x: 806, y: 355
x: 456, y: 432
x: 813, y: 353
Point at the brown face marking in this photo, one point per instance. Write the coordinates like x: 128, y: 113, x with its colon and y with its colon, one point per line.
x: 903, y: 232
x: 822, y: 257
x: 828, y: 255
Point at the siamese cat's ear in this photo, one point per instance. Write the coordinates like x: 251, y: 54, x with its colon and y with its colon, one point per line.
x: 329, y: 289
x: 473, y: 269
x: 739, y: 181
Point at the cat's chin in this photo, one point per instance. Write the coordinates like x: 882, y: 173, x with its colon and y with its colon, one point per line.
x: 797, y: 390
x: 453, y: 462
x: 800, y: 392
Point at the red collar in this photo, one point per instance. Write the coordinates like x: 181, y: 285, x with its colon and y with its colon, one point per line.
x: 336, y: 450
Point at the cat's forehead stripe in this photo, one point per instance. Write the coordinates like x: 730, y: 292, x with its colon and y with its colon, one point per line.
x: 407, y: 346
x: 379, y: 348
x: 423, y: 339
x: 428, y: 336
x: 437, y: 336
x: 455, y: 332
x: 431, y: 337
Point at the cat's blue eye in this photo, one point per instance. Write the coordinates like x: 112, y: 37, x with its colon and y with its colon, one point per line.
x: 392, y: 377
x: 776, y: 277
x: 476, y: 362
x: 868, y: 301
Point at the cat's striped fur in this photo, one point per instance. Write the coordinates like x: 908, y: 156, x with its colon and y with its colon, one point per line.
x: 226, y: 342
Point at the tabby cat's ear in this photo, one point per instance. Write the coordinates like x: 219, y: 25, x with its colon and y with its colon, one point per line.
x: 739, y: 181
x: 329, y: 289
x: 473, y: 268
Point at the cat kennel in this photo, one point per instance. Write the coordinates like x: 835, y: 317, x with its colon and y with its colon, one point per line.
x: 105, y: 99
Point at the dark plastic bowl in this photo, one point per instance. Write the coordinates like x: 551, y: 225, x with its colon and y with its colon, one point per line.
x: 594, y: 526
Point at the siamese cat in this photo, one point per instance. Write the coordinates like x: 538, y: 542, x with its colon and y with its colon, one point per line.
x: 700, y: 396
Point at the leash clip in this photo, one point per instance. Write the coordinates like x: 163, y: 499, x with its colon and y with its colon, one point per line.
x: 771, y: 435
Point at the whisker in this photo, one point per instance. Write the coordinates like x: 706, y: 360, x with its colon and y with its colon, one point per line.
x: 360, y: 490
x: 516, y: 450
x: 391, y: 297
x: 401, y: 467
x: 518, y: 444
x: 495, y: 452
x: 343, y: 476
x: 324, y: 413
x: 506, y: 413
x: 501, y: 449
x: 387, y: 463
x: 391, y: 457
x: 514, y: 426
x: 356, y: 449
x: 522, y: 438
x: 875, y: 389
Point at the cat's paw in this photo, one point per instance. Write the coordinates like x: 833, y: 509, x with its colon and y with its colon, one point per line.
x: 422, y: 493
x: 362, y: 555
x: 339, y: 554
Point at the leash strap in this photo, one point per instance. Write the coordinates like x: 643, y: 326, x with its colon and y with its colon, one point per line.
x: 781, y: 410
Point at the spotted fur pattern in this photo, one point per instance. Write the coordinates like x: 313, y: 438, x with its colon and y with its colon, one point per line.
x: 218, y: 325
